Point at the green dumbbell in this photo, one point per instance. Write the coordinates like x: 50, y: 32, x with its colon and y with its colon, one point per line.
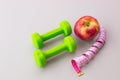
x: 41, y: 57
x: 38, y: 39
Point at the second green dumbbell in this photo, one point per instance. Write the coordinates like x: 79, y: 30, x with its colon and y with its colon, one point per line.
x: 38, y: 39
x: 41, y: 57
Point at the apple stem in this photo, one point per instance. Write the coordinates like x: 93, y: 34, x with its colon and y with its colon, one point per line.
x: 88, y: 24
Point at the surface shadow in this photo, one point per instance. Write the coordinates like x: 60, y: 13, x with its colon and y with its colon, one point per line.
x: 53, y: 42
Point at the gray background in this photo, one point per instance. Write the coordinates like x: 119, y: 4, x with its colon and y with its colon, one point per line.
x: 20, y: 18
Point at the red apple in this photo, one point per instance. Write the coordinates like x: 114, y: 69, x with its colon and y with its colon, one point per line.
x: 86, y: 28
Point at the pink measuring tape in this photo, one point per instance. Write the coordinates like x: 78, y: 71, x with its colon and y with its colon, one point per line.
x: 80, y: 61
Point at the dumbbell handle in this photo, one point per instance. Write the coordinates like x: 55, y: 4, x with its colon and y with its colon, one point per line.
x: 52, y: 34
x: 56, y: 50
